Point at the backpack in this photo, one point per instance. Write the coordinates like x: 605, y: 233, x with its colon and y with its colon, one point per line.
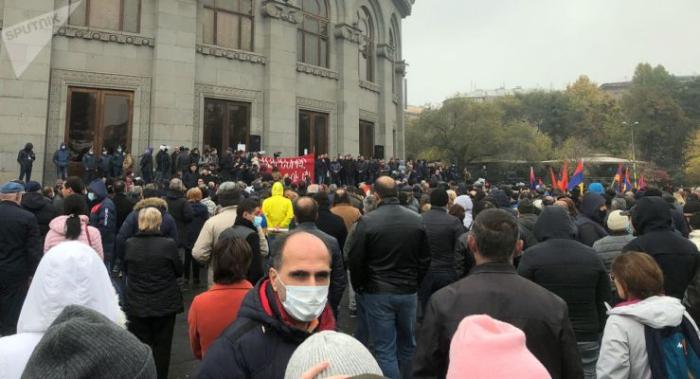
x: 673, y: 351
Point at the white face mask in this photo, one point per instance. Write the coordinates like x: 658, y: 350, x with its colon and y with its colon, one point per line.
x: 305, y: 303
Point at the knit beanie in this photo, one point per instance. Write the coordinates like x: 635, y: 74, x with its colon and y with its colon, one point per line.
x: 485, y: 348
x: 438, y: 197
x: 596, y: 188
x: 617, y: 222
x: 346, y: 356
x: 82, y: 343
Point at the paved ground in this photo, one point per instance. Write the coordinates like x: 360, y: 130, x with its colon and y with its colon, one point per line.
x: 182, y: 362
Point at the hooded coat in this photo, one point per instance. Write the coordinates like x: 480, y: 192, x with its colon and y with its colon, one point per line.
x: 61, y: 157
x: 89, y: 235
x: 589, y: 220
x: 182, y: 213
x: 278, y: 210
x: 70, y: 273
x: 677, y: 256
x: 259, y: 344
x: 42, y: 208
x: 103, y: 216
x: 623, y: 351
x: 569, y: 269
x: 26, y: 156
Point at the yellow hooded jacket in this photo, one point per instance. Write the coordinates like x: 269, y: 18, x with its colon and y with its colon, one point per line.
x: 278, y: 210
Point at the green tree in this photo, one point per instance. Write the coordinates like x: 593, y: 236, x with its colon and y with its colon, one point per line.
x: 692, y: 163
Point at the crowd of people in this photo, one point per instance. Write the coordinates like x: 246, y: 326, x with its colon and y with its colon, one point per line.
x: 444, y: 278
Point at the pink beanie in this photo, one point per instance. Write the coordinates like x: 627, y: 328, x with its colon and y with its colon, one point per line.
x: 485, y: 348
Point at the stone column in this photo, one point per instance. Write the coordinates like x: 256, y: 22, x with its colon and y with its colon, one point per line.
x: 172, y: 99
x: 387, y: 109
x: 24, y: 94
x: 400, y: 68
x: 280, y: 34
x: 347, y: 45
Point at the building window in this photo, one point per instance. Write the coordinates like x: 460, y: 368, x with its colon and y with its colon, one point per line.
x: 98, y: 119
x: 227, y: 23
x: 366, y: 138
x: 226, y: 124
x: 313, y: 133
x: 312, y: 35
x: 121, y: 15
x: 366, y: 45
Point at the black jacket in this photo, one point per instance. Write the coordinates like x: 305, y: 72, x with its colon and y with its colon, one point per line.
x: 526, y: 223
x: 338, y: 278
x: 182, y: 213
x: 443, y: 231
x: 677, y: 256
x: 189, y: 179
x: 571, y: 270
x: 495, y: 289
x: 245, y: 229
x: 200, y: 215
x: 152, y: 266
x: 42, y: 208
x: 130, y: 227
x: 589, y: 220
x: 332, y: 224
x: 26, y: 157
x: 390, y: 252
x: 259, y: 344
x: 163, y: 163
x: 124, y: 206
x: 21, y: 247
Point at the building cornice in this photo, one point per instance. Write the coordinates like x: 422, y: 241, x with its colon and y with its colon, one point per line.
x: 240, y: 55
x: 347, y: 32
x: 106, y: 36
x: 316, y: 70
x: 283, y: 11
x: 404, y: 7
x: 369, y: 86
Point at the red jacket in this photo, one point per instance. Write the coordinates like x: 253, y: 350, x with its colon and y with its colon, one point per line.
x: 212, y: 311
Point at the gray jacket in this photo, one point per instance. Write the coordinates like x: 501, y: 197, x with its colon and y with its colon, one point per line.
x: 623, y: 352
x: 610, y: 247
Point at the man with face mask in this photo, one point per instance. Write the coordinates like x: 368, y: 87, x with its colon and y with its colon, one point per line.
x: 103, y: 216
x: 591, y: 219
x: 278, y: 314
x: 116, y: 163
x: 60, y: 160
x: 90, y: 165
x: 19, y: 256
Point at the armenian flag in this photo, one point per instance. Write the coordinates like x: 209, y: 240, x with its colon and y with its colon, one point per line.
x: 627, y: 183
x: 618, y: 178
x: 533, y: 183
x: 564, y: 181
x: 555, y: 182
x: 642, y: 183
x: 577, y: 178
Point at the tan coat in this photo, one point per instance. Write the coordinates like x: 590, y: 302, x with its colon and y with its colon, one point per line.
x: 348, y: 213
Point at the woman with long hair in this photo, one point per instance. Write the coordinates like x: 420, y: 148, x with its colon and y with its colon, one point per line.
x: 73, y: 225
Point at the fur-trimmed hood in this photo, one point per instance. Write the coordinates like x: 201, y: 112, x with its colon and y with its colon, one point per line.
x: 152, y: 202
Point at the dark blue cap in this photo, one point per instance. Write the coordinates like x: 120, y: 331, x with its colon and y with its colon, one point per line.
x: 11, y: 187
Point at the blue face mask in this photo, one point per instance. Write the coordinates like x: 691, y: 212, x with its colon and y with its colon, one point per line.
x: 257, y: 221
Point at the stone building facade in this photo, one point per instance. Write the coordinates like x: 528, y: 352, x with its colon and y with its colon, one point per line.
x: 322, y: 76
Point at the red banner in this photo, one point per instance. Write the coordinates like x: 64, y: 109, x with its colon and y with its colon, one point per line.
x: 297, y: 168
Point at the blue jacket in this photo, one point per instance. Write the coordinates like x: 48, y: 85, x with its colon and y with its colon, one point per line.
x: 130, y: 227
x: 61, y: 158
x: 103, y: 216
x: 259, y: 344
x: 90, y: 162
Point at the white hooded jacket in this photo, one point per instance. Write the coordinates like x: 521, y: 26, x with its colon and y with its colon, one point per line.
x: 623, y: 352
x: 69, y: 273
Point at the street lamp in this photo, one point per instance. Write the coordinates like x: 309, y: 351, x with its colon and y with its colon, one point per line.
x: 634, y: 148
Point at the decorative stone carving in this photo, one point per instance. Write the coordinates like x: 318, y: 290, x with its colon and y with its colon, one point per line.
x: 283, y: 11
x: 370, y: 86
x: 404, y: 6
x: 106, y: 36
x: 317, y: 71
x: 316, y: 105
x: 386, y: 51
x: 240, y: 55
x: 395, y: 98
x: 202, y: 91
x: 401, y: 67
x: 348, y: 32
x: 368, y: 116
x: 58, y: 97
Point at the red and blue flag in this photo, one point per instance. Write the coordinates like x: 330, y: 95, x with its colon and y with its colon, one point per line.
x: 577, y: 178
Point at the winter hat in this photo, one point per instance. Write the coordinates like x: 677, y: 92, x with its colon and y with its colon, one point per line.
x: 346, y: 356
x: 82, y: 343
x: 617, y: 222
x: 526, y: 206
x: 485, y: 348
x: 438, y: 197
x: 33, y: 186
x: 596, y: 188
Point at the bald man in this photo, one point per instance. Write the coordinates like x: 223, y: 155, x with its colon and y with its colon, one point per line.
x: 278, y: 314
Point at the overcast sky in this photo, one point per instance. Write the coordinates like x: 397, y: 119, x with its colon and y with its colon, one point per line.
x: 458, y: 45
